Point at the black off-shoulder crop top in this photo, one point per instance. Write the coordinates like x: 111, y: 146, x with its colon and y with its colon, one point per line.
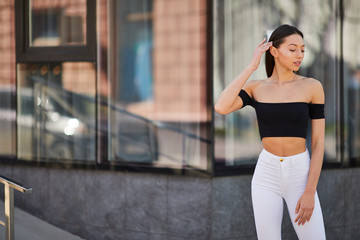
x: 289, y: 119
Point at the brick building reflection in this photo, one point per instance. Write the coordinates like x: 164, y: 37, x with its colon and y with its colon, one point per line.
x: 178, y: 56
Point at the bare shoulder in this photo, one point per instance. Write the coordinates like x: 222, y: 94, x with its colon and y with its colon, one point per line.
x: 250, y: 86
x: 311, y: 81
x: 252, y: 83
x: 316, y: 89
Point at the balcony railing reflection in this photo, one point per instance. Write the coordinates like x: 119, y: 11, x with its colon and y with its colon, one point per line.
x: 65, y: 129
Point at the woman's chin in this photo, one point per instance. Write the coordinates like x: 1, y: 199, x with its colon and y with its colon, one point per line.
x: 296, y: 68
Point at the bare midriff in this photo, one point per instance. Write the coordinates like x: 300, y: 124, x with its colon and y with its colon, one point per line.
x: 284, y: 146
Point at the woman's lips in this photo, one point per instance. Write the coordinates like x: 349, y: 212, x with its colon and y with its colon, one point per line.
x: 298, y: 63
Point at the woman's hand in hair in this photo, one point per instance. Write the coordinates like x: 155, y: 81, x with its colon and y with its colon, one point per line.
x: 261, y: 48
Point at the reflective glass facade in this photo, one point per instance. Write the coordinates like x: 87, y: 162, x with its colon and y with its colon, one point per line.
x: 145, y: 99
x: 351, y: 76
x: 237, y: 140
x: 7, y: 81
x: 156, y: 91
x: 55, y: 114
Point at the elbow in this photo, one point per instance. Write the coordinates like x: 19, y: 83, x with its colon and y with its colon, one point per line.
x: 219, y: 109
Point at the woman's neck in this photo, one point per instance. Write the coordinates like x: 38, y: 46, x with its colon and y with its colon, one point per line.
x: 281, y: 75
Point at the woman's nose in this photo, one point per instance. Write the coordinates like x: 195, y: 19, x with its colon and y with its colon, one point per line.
x: 299, y: 53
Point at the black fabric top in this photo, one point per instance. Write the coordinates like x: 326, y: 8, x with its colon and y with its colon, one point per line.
x: 289, y: 119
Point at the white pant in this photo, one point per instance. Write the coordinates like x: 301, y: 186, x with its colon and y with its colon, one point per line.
x: 274, y: 180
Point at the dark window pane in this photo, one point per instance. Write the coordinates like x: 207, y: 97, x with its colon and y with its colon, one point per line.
x: 57, y: 23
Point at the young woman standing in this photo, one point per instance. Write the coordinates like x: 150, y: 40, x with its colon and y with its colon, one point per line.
x: 283, y: 102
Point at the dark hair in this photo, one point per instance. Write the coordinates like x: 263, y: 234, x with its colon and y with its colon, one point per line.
x: 277, y: 37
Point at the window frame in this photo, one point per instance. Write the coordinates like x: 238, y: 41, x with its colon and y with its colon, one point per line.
x: 89, y: 53
x: 27, y: 54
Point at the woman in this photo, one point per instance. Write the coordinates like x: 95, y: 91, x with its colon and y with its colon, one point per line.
x: 283, y: 103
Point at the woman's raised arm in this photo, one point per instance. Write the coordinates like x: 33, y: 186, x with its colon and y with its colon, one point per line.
x: 228, y: 100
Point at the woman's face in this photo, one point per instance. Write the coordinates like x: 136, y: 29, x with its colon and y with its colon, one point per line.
x: 291, y: 52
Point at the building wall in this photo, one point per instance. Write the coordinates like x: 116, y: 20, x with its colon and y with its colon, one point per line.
x: 121, y: 205
x: 180, y: 60
x: 7, y: 43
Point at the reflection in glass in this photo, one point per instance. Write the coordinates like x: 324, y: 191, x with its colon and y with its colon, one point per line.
x: 7, y: 120
x: 56, y: 118
x: 7, y: 80
x: 157, y: 93
x: 57, y: 23
x: 237, y: 140
x: 352, y: 78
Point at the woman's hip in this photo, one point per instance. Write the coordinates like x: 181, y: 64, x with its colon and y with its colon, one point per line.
x: 282, y: 171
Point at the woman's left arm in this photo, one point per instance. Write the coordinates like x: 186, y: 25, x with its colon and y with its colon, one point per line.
x: 305, y: 205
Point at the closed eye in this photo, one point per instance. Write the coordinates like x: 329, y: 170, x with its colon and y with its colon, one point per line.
x: 293, y: 50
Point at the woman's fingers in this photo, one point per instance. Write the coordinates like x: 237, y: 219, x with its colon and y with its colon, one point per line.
x: 297, y: 207
x: 298, y: 217
x: 262, y: 42
x: 266, y: 46
x: 310, y: 215
x: 304, y: 209
x: 303, y: 216
x: 262, y: 47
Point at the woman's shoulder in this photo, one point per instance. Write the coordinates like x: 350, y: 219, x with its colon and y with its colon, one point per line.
x: 316, y: 89
x: 250, y: 85
x: 310, y: 82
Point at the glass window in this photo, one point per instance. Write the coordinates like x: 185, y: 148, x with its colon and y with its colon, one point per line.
x: 7, y: 80
x: 237, y: 140
x: 156, y: 94
x: 56, y: 111
x: 57, y: 23
x: 351, y: 50
x: 55, y: 31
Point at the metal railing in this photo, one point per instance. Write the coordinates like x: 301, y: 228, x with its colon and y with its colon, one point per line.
x: 9, y: 205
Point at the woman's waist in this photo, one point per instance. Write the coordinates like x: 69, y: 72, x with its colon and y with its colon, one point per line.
x: 284, y: 146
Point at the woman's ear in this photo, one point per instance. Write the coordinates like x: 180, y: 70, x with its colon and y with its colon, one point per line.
x: 273, y: 51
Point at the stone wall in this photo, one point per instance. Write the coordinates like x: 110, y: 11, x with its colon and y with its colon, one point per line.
x: 122, y: 205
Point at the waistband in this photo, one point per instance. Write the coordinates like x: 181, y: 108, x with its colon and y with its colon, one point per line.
x: 275, y: 157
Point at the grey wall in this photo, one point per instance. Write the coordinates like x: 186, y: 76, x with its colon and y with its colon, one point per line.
x: 121, y: 205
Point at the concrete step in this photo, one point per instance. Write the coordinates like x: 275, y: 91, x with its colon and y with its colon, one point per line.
x: 28, y: 227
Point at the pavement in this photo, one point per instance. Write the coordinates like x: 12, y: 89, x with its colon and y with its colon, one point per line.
x: 28, y: 227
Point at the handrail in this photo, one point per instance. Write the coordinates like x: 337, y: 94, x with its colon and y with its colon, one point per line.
x: 10, y: 185
x: 15, y: 185
x: 121, y: 110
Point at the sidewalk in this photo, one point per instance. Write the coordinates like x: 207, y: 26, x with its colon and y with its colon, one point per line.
x: 28, y: 227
